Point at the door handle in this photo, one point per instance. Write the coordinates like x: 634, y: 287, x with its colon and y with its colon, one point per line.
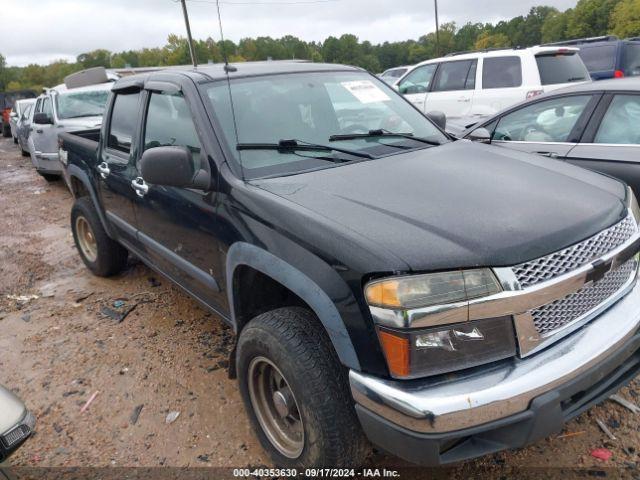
x: 104, y: 170
x: 39, y: 130
x: 547, y: 154
x: 464, y: 99
x: 140, y: 186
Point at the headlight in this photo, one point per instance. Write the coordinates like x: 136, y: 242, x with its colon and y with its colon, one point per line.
x: 419, y: 353
x: 412, y: 353
x: 431, y: 289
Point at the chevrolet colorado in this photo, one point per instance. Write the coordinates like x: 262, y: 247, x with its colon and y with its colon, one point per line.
x: 440, y: 299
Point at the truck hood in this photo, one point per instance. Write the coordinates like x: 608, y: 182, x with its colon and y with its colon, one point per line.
x: 81, y: 123
x: 459, y: 205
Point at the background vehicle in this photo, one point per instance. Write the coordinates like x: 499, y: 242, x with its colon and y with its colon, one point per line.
x: 16, y: 423
x: 595, y: 126
x: 367, y: 272
x: 7, y: 100
x: 63, y: 109
x: 483, y: 83
x: 23, y: 126
x: 392, y: 74
x: 608, y: 57
x: 18, y: 109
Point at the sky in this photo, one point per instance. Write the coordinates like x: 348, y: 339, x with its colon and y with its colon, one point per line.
x: 48, y: 30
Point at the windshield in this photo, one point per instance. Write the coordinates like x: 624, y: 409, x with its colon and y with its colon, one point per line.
x: 394, y: 73
x: 314, y: 108
x: 81, y: 104
x: 561, y: 68
x: 632, y: 59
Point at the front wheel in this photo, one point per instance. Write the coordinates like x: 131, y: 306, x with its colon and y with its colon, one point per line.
x: 100, y: 253
x: 296, y: 392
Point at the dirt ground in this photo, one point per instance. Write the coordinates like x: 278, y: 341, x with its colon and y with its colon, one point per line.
x: 59, y: 349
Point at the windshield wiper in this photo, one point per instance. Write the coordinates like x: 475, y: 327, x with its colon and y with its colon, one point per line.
x: 85, y: 115
x: 381, y: 133
x: 293, y: 144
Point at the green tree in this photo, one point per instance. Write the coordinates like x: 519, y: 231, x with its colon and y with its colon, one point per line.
x: 554, y: 27
x: 625, y: 19
x: 95, y: 58
x: 488, y: 40
x: 590, y: 18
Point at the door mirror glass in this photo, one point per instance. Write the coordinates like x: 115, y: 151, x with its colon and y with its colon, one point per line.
x: 481, y: 135
x: 438, y: 117
x: 169, y: 166
x: 42, y: 118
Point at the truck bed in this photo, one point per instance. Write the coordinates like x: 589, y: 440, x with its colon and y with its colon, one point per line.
x: 81, y: 146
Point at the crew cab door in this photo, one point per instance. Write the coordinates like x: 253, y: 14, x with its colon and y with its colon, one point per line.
x: 611, y: 142
x: 417, y: 83
x: 116, y: 168
x: 453, y: 88
x: 178, y: 227
x: 45, y: 137
x: 549, y: 127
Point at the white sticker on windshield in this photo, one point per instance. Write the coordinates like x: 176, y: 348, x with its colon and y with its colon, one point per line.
x: 366, y: 91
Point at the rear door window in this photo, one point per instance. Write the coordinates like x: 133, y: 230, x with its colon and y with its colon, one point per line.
x: 631, y: 59
x: 455, y: 76
x: 620, y: 124
x: 502, y: 72
x: 547, y: 121
x: 557, y: 68
x: 599, y: 58
x: 123, y: 121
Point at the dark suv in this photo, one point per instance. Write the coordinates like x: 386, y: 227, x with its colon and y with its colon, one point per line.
x: 442, y: 299
x: 608, y: 57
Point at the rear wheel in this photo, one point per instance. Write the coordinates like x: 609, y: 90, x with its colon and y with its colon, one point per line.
x: 296, y: 392
x: 101, y: 254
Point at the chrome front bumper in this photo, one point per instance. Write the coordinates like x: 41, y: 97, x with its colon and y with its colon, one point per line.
x: 454, y: 402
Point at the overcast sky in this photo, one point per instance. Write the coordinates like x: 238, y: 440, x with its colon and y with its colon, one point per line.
x: 40, y: 31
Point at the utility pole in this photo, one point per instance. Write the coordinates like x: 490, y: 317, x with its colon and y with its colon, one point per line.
x: 189, y: 39
x: 435, y: 2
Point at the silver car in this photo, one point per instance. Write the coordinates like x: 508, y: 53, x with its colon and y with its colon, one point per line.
x: 16, y: 114
x: 592, y: 125
x: 23, y: 125
x: 59, y: 110
x: 16, y: 423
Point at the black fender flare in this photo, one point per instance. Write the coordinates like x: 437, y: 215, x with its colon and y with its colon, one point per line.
x: 242, y: 253
x: 76, y: 172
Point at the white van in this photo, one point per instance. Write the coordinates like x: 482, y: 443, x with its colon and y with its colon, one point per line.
x: 482, y: 83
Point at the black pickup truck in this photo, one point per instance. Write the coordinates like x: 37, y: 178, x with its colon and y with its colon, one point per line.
x: 439, y: 299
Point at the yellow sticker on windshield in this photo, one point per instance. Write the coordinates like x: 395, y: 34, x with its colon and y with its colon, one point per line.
x: 366, y: 91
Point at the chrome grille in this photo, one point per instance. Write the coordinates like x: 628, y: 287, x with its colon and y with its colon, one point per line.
x: 563, y: 261
x: 557, y: 314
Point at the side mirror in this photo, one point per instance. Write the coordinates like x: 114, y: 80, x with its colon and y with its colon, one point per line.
x: 481, y: 135
x: 438, y: 117
x: 171, y: 166
x: 42, y: 118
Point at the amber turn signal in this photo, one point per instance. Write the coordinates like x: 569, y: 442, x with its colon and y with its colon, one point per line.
x: 396, y: 351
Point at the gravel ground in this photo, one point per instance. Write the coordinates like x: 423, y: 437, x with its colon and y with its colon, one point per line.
x: 60, y: 349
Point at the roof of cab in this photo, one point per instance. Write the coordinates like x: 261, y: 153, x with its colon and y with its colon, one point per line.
x: 217, y: 71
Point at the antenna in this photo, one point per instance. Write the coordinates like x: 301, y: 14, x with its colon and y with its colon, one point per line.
x: 189, y: 38
x: 227, y: 68
x: 230, y: 68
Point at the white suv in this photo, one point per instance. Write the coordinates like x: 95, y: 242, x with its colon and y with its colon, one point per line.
x: 482, y: 83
